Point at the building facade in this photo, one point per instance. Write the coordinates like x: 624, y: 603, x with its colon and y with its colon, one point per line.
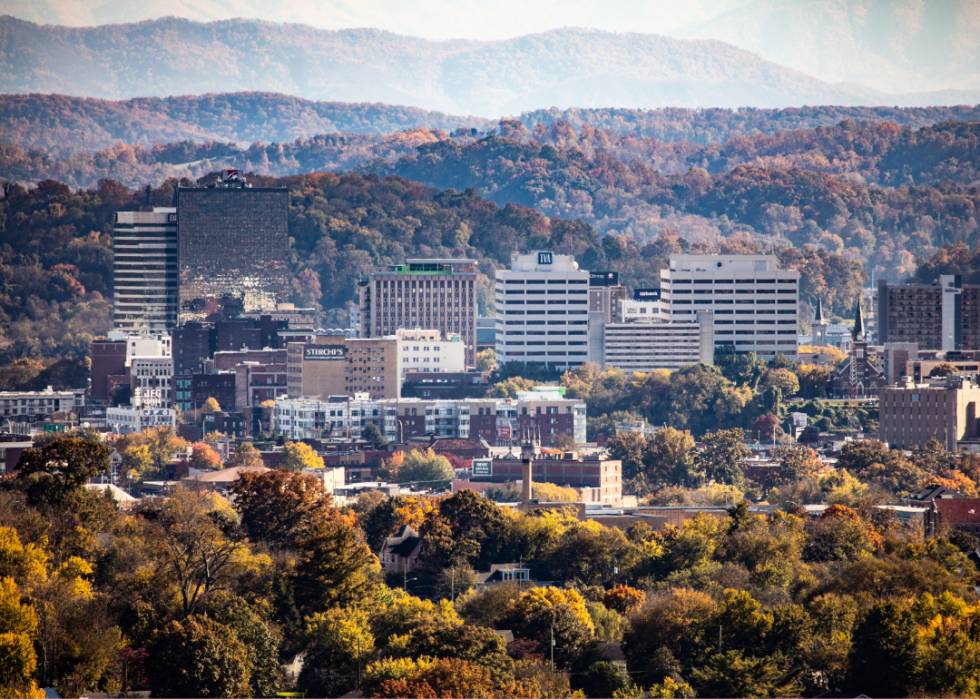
x: 912, y: 414
x: 431, y: 294
x: 144, y: 277
x: 943, y: 316
x: 645, y: 346
x: 337, y: 366
x: 233, y: 242
x: 425, y: 351
x: 21, y: 406
x: 128, y: 419
x: 542, y: 311
x: 755, y: 304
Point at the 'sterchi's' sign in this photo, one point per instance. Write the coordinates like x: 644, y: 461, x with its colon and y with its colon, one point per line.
x: 321, y: 353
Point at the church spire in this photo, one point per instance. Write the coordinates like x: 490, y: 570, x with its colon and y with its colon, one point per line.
x: 818, y: 319
x: 858, y: 331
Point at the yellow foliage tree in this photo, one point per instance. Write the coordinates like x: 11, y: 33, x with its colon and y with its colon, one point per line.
x: 540, y: 597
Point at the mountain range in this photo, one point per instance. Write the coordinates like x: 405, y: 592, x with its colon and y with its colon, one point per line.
x: 563, y: 68
x: 892, y: 46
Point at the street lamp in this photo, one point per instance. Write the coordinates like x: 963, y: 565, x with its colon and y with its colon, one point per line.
x: 407, y: 580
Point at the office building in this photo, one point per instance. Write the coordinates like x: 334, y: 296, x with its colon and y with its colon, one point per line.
x: 127, y: 419
x: 150, y: 381
x: 233, y: 245
x: 425, y: 351
x: 605, y: 293
x: 333, y: 365
x: 645, y: 346
x: 755, y: 304
x: 144, y: 246
x: 943, y: 316
x: 631, y: 311
x: 432, y: 294
x: 911, y: 414
x: 542, y: 311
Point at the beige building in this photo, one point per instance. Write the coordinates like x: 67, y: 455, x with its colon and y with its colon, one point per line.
x: 912, y: 414
x: 336, y: 366
x: 432, y: 294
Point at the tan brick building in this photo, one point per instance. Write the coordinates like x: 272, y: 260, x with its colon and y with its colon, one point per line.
x: 912, y: 414
x: 336, y: 366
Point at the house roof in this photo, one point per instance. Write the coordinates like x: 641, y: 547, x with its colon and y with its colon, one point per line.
x: 225, y: 475
x: 404, y: 542
x: 936, y: 492
x: 451, y: 444
x: 959, y: 511
x: 117, y: 494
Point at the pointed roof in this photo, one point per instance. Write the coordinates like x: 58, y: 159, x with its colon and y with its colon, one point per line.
x: 818, y: 319
x: 858, y: 322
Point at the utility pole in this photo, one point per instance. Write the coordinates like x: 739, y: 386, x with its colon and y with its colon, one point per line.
x: 552, y: 644
x: 358, y: 660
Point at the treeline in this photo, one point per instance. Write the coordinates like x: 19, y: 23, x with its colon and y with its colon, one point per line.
x: 62, y: 124
x: 716, y: 125
x: 196, y: 595
x: 885, y: 229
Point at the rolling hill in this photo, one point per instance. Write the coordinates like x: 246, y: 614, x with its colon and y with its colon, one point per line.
x: 566, y: 67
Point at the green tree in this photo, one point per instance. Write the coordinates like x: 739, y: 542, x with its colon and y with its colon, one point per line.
x: 137, y: 462
x: 628, y: 447
x: 197, y: 657
x: 279, y: 506
x: 297, y: 456
x: 943, y: 369
x: 741, y: 368
x: 427, y: 468
x: 603, y: 679
x: 57, y: 473
x: 885, y: 651
x: 722, y: 458
x: 731, y: 674
x: 373, y: 434
x: 261, y: 647
x: 670, y: 457
x: 783, y: 379
x: 337, y: 642
x: 335, y: 569
x: 797, y: 463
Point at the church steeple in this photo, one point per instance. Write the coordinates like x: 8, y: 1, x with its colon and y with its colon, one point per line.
x: 858, y: 331
x: 818, y: 319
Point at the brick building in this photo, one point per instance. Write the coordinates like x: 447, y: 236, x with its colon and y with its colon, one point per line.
x: 912, y: 414
x: 868, y: 377
x: 943, y: 316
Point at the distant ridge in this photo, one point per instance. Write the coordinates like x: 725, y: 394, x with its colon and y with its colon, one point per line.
x: 563, y: 68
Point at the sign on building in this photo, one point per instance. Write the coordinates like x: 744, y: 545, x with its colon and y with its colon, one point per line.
x: 799, y: 419
x: 482, y: 467
x: 603, y: 278
x: 319, y: 353
x: 544, y: 258
x: 646, y: 294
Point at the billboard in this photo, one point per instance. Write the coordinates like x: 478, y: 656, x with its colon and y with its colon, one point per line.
x: 603, y: 278
x: 799, y: 419
x: 482, y: 467
x: 646, y: 294
x: 319, y: 353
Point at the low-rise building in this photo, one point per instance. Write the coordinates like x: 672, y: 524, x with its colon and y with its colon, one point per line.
x: 401, y: 551
x: 960, y: 514
x: 596, y: 478
x: 11, y: 447
x: 21, y: 406
x: 425, y: 351
x: 127, y: 419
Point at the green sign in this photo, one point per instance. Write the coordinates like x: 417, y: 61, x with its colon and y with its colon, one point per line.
x: 482, y: 467
x: 54, y: 428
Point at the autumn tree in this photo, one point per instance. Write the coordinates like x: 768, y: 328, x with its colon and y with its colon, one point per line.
x: 245, y: 456
x: 670, y: 457
x: 335, y: 569
x: 197, y: 657
x: 297, y: 456
x: 724, y: 453
x: 279, y: 506
x: 57, y: 473
x: 211, y: 405
x: 205, y: 458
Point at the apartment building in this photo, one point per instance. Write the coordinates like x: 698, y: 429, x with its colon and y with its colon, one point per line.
x: 256, y: 383
x: 542, y: 311
x: 144, y: 275
x: 943, y: 316
x: 496, y: 421
x: 645, y: 346
x: 18, y: 405
x: 755, y: 304
x: 911, y: 414
x: 428, y: 293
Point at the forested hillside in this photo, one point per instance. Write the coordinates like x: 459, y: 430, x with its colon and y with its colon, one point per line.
x: 561, y: 67
x: 884, y: 228
x: 60, y: 124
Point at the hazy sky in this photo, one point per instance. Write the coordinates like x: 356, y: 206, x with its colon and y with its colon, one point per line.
x: 435, y: 19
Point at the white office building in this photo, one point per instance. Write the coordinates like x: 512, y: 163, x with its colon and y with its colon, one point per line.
x: 145, y: 271
x: 18, y: 405
x: 628, y: 311
x: 542, y: 311
x: 426, y: 351
x: 755, y: 304
x: 127, y: 419
x: 645, y: 346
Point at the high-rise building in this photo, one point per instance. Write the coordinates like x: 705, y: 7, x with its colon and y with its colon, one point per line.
x: 755, y: 304
x: 943, y: 316
x: 431, y: 294
x: 233, y: 245
x: 911, y: 414
x: 144, y: 246
x: 542, y: 311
